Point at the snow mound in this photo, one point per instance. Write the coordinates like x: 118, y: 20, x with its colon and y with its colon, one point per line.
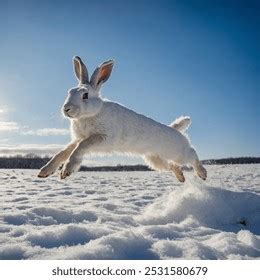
x: 206, y: 206
x: 198, y: 221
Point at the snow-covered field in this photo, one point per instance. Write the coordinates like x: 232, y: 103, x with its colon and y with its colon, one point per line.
x: 131, y: 215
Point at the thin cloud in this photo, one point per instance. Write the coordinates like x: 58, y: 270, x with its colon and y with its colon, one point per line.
x: 47, y: 132
x: 9, y: 126
x: 24, y: 149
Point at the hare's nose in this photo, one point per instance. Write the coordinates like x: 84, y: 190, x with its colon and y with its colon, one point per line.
x: 67, y: 108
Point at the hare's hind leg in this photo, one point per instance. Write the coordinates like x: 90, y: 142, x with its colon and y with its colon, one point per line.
x: 200, y: 170
x: 177, y: 171
x: 160, y: 164
x: 195, y: 162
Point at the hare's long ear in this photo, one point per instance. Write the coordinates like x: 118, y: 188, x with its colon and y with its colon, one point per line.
x: 80, y: 70
x: 102, y: 73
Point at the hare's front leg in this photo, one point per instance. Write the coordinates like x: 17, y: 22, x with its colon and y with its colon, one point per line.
x: 57, y: 160
x: 75, y: 159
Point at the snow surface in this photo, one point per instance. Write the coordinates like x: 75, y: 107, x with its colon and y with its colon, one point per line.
x: 131, y: 215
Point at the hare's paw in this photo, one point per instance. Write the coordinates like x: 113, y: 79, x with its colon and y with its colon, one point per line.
x: 46, y: 171
x: 201, y: 171
x: 178, y: 173
x: 68, y: 168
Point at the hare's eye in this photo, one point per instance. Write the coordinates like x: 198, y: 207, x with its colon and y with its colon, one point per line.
x: 85, y: 95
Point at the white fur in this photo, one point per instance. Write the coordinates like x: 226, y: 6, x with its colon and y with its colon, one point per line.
x: 103, y: 126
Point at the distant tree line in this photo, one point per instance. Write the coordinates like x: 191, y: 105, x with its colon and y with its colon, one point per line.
x: 35, y: 162
x: 236, y: 160
x: 23, y: 162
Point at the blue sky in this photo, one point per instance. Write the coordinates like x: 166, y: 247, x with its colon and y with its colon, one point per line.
x: 196, y: 58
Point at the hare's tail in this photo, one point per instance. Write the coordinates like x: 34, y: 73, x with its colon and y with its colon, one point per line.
x: 181, y: 124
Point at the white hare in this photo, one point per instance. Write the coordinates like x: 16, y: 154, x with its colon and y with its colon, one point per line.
x: 102, y: 126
